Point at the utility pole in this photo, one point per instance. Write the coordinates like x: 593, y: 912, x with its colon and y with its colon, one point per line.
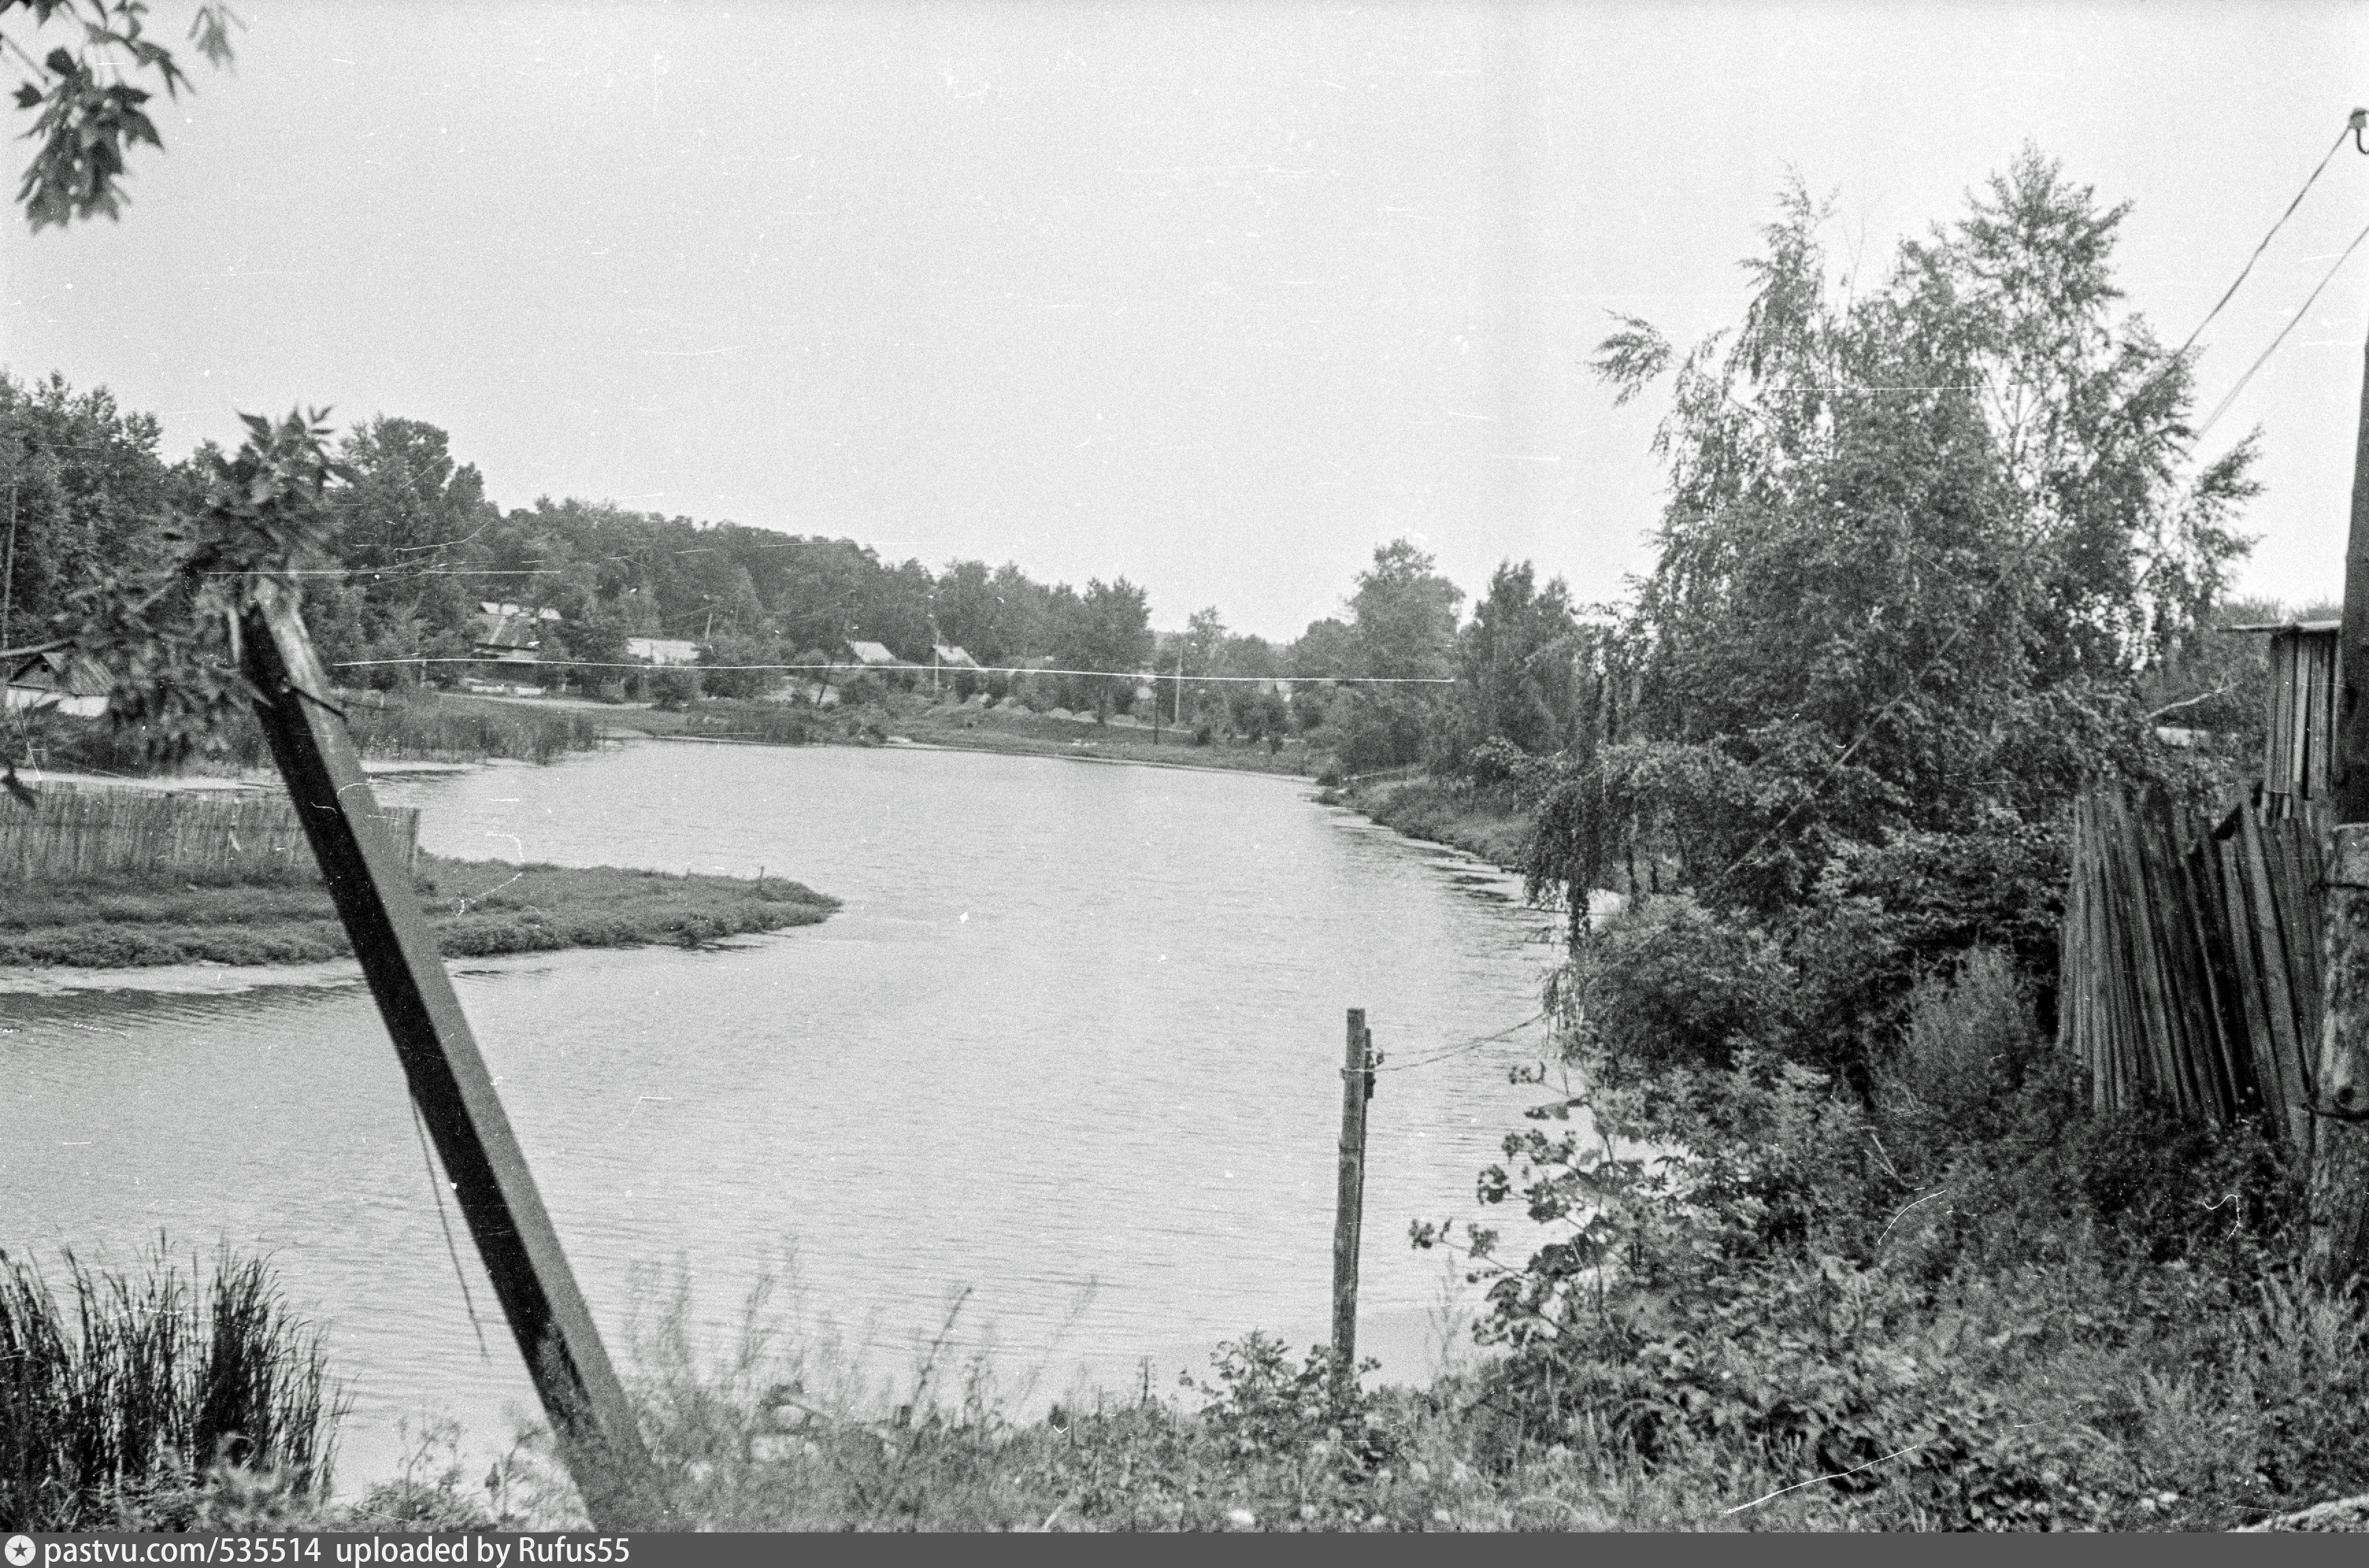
x: 1349, y: 1208
x: 8, y: 569
x: 377, y: 901
x: 2338, y: 1212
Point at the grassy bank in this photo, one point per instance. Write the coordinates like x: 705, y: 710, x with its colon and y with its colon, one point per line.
x: 1015, y: 731
x: 477, y: 909
x: 1484, y: 821
x: 1019, y: 732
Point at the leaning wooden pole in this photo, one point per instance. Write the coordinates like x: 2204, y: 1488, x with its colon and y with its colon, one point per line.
x: 379, y: 906
x: 2338, y: 1093
x: 1349, y: 1208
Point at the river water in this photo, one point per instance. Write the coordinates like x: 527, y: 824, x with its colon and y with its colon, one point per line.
x: 1071, y: 1045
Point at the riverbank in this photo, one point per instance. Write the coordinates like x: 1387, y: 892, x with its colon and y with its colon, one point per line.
x: 1486, y: 822
x: 477, y: 909
x: 1008, y: 730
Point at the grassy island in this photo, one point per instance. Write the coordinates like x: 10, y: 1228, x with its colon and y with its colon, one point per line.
x: 478, y: 909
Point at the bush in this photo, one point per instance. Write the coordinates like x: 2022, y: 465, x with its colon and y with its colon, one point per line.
x: 1666, y: 984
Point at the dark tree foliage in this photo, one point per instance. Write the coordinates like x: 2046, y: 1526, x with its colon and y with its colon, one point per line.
x: 85, y: 493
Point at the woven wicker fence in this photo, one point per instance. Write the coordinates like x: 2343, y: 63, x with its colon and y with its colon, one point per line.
x: 2191, y: 969
x: 73, y: 835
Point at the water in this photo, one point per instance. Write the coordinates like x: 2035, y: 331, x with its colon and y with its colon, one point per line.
x: 1072, y: 1043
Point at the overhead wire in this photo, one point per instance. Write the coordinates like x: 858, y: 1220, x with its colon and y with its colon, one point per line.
x: 1466, y: 1048
x: 2264, y: 357
x: 949, y: 669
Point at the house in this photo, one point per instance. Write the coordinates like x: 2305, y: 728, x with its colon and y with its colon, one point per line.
x: 510, y: 633
x: 2302, y: 703
x: 871, y: 656
x: 66, y: 683
x: 662, y: 650
x: 947, y: 657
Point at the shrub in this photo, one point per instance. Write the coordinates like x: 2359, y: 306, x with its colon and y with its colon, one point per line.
x: 672, y: 690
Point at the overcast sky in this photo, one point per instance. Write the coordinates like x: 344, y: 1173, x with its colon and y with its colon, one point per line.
x: 1214, y: 297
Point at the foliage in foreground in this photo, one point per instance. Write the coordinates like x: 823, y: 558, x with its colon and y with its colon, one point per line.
x: 118, y: 1403
x: 1959, y: 1301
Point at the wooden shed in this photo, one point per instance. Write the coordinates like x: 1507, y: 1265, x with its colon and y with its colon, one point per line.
x: 2302, y: 710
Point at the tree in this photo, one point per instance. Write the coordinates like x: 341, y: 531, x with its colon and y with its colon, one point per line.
x: 1921, y: 541
x: 1924, y: 540
x: 1515, y: 663
x: 1197, y: 653
x: 405, y: 528
x: 1402, y: 617
x: 1402, y: 636
x: 86, y: 492
x: 1108, y: 628
x: 89, y: 113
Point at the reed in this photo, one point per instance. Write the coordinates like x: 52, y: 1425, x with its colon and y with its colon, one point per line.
x: 417, y: 726
x: 429, y: 726
x: 134, y: 1386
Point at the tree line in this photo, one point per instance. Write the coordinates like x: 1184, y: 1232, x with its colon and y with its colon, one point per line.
x: 415, y: 546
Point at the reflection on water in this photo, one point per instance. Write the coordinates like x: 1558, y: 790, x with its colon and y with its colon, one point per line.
x: 1073, y: 1039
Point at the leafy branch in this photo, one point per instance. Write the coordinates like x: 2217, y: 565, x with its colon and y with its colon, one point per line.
x: 90, y: 114
x: 169, y: 642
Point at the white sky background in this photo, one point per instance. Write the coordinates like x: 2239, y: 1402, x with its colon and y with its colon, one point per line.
x: 1214, y: 297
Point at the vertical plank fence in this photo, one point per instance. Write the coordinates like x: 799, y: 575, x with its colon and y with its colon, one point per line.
x: 71, y: 835
x: 2191, y: 957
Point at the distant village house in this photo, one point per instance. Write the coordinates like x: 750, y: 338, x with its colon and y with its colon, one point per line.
x: 61, y: 682
x: 512, y: 634
x: 662, y: 650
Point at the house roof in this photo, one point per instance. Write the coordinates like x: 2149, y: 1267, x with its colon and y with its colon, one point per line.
x: 488, y: 607
x: 70, y: 672
x: 949, y: 653
x: 663, y: 650
x: 508, y: 629
x: 870, y: 653
x: 2313, y: 626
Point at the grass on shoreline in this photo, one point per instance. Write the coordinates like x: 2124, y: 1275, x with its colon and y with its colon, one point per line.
x: 1482, y: 821
x: 477, y: 909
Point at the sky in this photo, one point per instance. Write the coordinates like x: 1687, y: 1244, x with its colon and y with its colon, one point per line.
x: 1214, y: 297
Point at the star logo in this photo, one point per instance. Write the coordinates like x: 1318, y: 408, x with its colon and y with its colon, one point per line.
x: 19, y: 1550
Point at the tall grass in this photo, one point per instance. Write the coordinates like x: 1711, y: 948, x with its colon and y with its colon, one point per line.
x: 426, y: 726
x: 418, y: 725
x: 129, y: 1392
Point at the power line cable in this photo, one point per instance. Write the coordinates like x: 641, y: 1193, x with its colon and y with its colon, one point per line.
x: 922, y: 668
x: 2352, y: 127
x: 2265, y: 357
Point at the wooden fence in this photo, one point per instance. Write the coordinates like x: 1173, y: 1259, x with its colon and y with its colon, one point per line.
x: 2191, y: 954
x: 73, y: 835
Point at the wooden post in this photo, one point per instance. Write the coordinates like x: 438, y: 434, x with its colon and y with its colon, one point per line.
x: 379, y: 906
x: 2338, y: 1219
x: 1349, y: 1208
x: 2338, y: 1210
